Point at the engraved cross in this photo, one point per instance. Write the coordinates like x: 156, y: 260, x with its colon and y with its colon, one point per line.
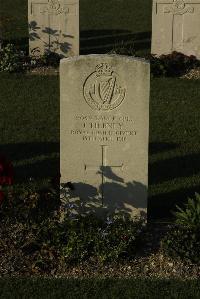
x: 177, y: 9
x: 50, y: 7
x: 102, y: 168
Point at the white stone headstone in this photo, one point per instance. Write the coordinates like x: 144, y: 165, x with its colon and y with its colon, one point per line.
x: 53, y: 27
x: 176, y: 27
x: 104, y: 127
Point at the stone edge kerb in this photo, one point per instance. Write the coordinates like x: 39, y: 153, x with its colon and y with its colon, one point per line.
x: 82, y: 57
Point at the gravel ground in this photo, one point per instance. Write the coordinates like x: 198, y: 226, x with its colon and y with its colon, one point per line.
x: 149, y: 262
x: 45, y: 71
x: 192, y: 74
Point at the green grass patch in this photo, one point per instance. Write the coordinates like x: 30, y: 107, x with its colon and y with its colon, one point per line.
x: 30, y: 124
x: 14, y: 19
x: 98, y: 288
x: 174, y: 169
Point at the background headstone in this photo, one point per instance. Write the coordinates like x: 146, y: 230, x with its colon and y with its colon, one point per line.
x: 104, y: 131
x: 176, y: 27
x: 54, y: 27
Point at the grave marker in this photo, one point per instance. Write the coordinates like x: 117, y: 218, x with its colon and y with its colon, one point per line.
x: 104, y: 131
x: 175, y: 27
x: 54, y: 27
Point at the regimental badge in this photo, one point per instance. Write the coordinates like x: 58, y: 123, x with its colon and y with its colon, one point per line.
x: 102, y: 89
x: 54, y: 8
x: 179, y: 7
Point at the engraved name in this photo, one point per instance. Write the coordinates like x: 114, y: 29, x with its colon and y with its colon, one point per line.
x: 104, y: 128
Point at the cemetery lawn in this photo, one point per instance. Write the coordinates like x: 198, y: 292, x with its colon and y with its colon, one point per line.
x: 98, y: 288
x: 29, y: 123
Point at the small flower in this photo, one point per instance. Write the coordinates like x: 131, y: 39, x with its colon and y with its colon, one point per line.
x: 125, y: 237
x: 104, y: 233
x: 6, y: 171
x: 108, y: 221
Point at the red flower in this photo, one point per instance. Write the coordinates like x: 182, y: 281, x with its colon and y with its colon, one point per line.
x: 1, y: 197
x: 6, y: 171
x: 56, y: 181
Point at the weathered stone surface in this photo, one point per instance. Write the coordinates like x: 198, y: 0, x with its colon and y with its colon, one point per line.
x: 176, y: 27
x: 104, y: 131
x: 54, y: 27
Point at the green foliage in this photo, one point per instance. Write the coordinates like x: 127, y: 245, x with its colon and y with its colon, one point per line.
x: 29, y: 203
x: 49, y: 230
x: 114, y: 239
x: 172, y: 65
x: 122, y: 48
x: 10, y: 59
x: 48, y: 59
x: 184, y: 241
x: 190, y: 216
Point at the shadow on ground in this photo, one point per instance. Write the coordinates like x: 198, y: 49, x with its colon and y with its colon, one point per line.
x: 160, y: 206
x: 114, y: 194
x: 91, y: 41
x: 103, y: 41
x: 33, y: 160
x: 41, y: 160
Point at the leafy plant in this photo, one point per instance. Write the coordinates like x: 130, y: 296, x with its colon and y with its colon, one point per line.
x: 190, y: 216
x: 11, y: 60
x: 172, y: 65
x: 105, y: 241
x: 122, y: 48
x: 52, y: 229
x: 50, y: 59
x: 184, y: 241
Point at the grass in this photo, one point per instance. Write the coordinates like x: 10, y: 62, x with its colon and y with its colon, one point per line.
x: 98, y: 288
x: 30, y: 135
x: 30, y: 124
x: 174, y: 170
x: 13, y: 18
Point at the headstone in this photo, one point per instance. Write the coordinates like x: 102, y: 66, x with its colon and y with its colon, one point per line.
x: 176, y: 27
x: 104, y: 132
x: 53, y: 27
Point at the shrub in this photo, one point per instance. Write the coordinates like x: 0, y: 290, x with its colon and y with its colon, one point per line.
x: 105, y: 241
x: 190, y: 216
x: 122, y: 48
x: 184, y: 241
x: 50, y: 59
x: 12, y: 60
x: 172, y: 65
x: 6, y: 171
x: 6, y: 174
x: 49, y: 229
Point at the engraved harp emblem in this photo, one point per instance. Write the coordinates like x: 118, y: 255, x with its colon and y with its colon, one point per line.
x: 54, y: 8
x: 102, y: 89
